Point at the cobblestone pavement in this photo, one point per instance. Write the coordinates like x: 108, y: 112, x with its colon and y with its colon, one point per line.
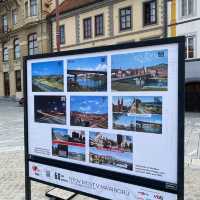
x: 12, y: 156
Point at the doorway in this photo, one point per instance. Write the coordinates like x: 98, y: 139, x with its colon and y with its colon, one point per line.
x: 6, y: 84
x: 192, y: 97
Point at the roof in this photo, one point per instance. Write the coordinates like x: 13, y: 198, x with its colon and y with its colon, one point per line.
x: 68, y: 5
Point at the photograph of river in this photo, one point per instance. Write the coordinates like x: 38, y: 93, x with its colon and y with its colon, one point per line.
x: 112, y: 150
x: 149, y: 105
x: 87, y: 74
x: 140, y: 71
x: 48, y: 76
x: 68, y: 144
x: 89, y: 111
x: 149, y: 123
x: 124, y: 121
x: 50, y: 109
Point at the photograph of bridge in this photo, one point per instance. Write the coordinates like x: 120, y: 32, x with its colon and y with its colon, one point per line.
x: 149, y: 123
x: 89, y: 111
x: 68, y: 144
x: 48, y: 76
x: 50, y: 109
x: 112, y: 150
x: 149, y: 105
x: 140, y: 71
x: 87, y: 74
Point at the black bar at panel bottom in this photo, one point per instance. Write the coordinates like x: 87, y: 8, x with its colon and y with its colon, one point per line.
x: 130, y: 179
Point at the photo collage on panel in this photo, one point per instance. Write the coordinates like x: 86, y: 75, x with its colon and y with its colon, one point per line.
x: 86, y: 131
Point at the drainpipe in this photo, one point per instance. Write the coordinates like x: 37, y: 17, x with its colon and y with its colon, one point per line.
x: 41, y: 26
x: 57, y: 26
x: 165, y: 20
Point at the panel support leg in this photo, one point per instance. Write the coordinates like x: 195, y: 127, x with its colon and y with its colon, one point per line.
x: 27, y: 188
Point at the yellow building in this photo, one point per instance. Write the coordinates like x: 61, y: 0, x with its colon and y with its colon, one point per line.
x: 89, y: 23
x: 23, y: 32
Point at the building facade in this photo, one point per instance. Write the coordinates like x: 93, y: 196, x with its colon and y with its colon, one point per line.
x: 184, y: 20
x: 91, y: 23
x: 23, y: 31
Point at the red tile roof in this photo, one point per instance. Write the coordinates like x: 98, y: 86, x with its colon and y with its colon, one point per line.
x: 68, y: 5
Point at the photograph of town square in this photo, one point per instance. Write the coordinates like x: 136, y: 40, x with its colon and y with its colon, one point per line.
x: 48, y: 76
x: 140, y: 71
x: 112, y: 150
x: 59, y: 142
x: 87, y: 74
x: 149, y: 105
x: 50, y: 109
x: 149, y: 123
x: 89, y: 111
x: 68, y: 144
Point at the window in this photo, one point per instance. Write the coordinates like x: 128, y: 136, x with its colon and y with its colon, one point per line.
x: 18, y: 80
x: 5, y: 53
x: 187, y: 8
x: 26, y: 9
x: 99, y: 25
x: 14, y: 17
x: 5, y: 23
x: 33, y: 7
x: 150, y: 12
x: 16, y: 48
x: 62, y: 34
x: 87, y: 28
x: 125, y: 18
x: 190, y: 46
x: 32, y: 44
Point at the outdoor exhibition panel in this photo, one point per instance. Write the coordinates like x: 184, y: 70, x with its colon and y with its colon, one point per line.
x: 108, y: 121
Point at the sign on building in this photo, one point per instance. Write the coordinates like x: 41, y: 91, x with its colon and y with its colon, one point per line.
x: 109, y: 121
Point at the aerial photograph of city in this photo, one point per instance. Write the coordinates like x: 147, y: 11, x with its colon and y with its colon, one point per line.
x: 140, y: 71
x: 89, y: 111
x: 50, y: 109
x: 149, y: 123
x: 149, y: 105
x: 48, y: 76
x: 112, y: 150
x: 87, y: 74
x: 68, y: 145
x: 124, y: 110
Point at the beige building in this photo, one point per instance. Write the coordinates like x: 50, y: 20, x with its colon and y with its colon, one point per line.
x: 23, y: 31
x: 89, y: 23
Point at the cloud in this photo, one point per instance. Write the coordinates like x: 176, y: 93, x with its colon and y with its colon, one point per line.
x: 85, y: 108
x: 101, y: 67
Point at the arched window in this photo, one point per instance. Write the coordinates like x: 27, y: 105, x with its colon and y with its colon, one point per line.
x: 16, y: 48
x: 32, y: 44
